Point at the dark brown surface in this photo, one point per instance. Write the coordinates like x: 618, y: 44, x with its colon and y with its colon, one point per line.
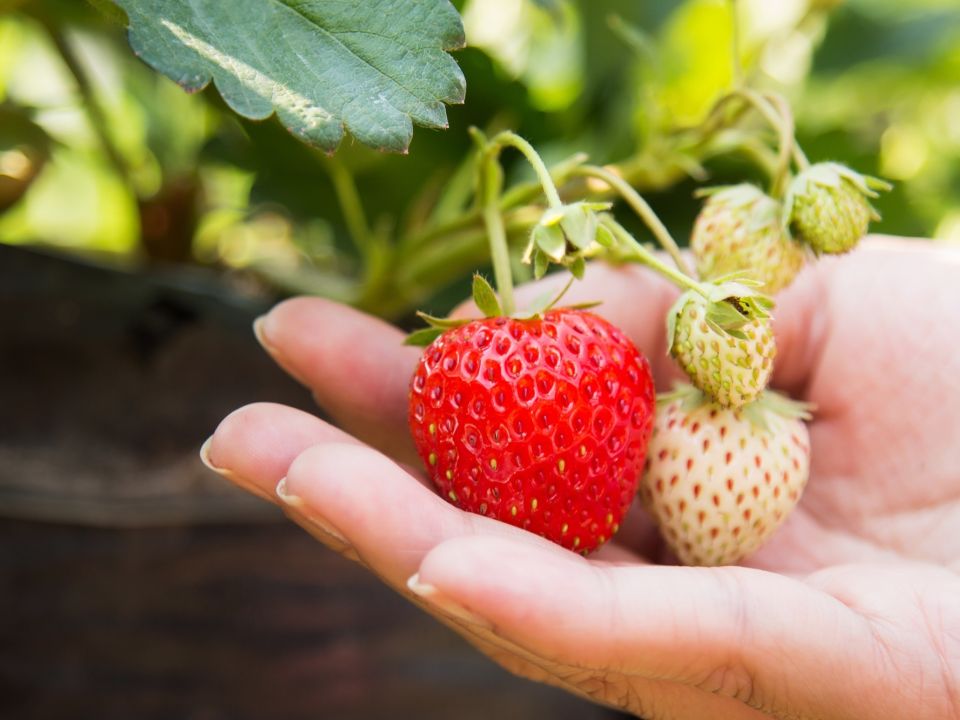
x: 228, y: 621
x: 134, y: 584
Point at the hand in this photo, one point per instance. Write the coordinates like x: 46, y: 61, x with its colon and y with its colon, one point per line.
x: 852, y: 610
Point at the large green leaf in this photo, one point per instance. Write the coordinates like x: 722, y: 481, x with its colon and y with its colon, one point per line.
x: 372, y: 66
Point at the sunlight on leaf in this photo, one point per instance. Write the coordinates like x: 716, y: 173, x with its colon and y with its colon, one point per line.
x: 321, y: 67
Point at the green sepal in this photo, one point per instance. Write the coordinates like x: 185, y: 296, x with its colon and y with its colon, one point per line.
x: 578, y: 267
x: 729, y: 307
x: 690, y: 397
x: 550, y: 240
x: 423, y: 336
x: 831, y: 174
x: 604, y: 237
x: 769, y: 402
x: 485, y: 298
x: 672, y: 315
x: 773, y: 403
x: 553, y: 216
x: 585, y: 305
x: 540, y: 264
x: 580, y: 227
x: 442, y: 323
x: 548, y: 300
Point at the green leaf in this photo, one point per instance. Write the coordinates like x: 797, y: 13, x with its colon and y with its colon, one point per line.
x: 372, y: 68
x: 485, y: 298
x: 423, y: 336
x: 549, y: 239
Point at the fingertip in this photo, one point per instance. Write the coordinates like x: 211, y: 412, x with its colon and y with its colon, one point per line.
x: 255, y: 444
x: 507, y: 571
x: 317, y: 467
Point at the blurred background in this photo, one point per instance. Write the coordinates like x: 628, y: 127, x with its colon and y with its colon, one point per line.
x: 142, y: 230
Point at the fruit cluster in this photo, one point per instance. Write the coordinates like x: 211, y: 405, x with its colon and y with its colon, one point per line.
x: 547, y: 418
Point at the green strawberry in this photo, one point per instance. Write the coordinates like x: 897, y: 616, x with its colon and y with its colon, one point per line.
x: 827, y: 207
x: 719, y: 481
x: 739, y: 230
x: 724, y: 342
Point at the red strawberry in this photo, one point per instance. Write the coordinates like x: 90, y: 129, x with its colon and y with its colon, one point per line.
x: 542, y: 423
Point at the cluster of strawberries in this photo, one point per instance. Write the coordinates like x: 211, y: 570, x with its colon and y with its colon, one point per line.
x: 548, y: 419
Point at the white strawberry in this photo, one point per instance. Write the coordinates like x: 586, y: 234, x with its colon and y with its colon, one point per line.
x: 719, y: 481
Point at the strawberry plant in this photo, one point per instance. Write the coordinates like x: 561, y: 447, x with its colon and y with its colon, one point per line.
x: 540, y: 415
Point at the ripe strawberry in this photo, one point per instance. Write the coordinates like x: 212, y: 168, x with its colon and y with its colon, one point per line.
x: 827, y: 207
x: 724, y: 344
x: 720, y: 481
x: 739, y: 230
x: 542, y: 423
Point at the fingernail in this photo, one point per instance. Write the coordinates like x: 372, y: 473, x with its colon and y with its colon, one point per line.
x: 205, y: 459
x: 296, y: 503
x: 260, y: 333
x: 229, y: 474
x: 434, y: 597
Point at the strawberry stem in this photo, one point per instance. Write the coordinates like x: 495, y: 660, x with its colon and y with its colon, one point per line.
x: 783, y: 107
x: 639, y: 253
x: 490, y: 181
x: 508, y: 138
x: 641, y: 207
x: 776, y: 112
x: 737, y: 66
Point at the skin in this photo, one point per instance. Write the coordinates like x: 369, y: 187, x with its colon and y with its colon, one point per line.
x: 852, y: 610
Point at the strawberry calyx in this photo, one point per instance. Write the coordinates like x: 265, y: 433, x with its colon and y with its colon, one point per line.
x: 721, y: 337
x: 485, y: 298
x: 827, y: 207
x: 564, y: 235
x: 730, y: 305
x: 758, y: 413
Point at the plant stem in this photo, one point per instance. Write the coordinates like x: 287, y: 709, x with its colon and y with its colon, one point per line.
x: 640, y: 254
x: 490, y: 182
x: 783, y: 124
x: 641, y: 207
x: 95, y: 114
x: 508, y: 138
x: 350, y: 205
x: 735, y: 45
x: 783, y: 107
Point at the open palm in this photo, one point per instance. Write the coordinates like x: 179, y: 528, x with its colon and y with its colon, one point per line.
x: 852, y: 610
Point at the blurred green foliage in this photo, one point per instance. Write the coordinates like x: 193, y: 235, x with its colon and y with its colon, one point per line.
x: 101, y: 156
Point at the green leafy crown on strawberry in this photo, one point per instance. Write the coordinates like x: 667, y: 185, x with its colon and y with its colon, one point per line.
x: 828, y: 208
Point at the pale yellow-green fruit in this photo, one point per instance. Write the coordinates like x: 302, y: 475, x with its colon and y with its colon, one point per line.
x: 740, y: 229
x: 732, y: 370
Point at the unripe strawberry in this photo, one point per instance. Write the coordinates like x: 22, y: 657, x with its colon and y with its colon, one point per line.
x: 725, y: 346
x: 720, y: 481
x: 739, y: 229
x: 827, y: 207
